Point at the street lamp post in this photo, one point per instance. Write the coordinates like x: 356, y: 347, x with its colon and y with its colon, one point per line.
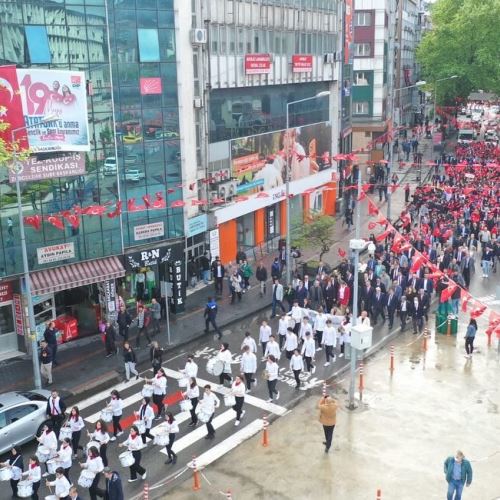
x: 287, y: 185
x: 391, y: 144
x: 435, y: 92
x: 31, y: 331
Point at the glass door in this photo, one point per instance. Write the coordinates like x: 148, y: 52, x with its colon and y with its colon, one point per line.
x: 8, y: 337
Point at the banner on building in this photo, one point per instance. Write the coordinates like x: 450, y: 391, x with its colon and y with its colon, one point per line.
x: 6, y: 291
x: 257, y: 64
x: 18, y: 314
x: 55, y: 253
x: 302, y: 63
x: 348, y: 31
x: 259, y: 162
x: 147, y: 231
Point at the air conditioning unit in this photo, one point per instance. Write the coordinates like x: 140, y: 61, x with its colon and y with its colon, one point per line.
x: 226, y: 190
x: 199, y: 36
x: 197, y: 102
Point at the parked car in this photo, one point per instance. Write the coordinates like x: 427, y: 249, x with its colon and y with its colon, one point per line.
x: 130, y: 160
x: 134, y: 175
x: 22, y: 416
x: 132, y: 139
x: 109, y: 166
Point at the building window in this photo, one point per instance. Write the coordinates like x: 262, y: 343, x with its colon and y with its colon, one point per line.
x: 360, y: 108
x: 362, y: 49
x: 362, y: 19
x: 149, y: 47
x: 38, y: 44
x: 361, y: 78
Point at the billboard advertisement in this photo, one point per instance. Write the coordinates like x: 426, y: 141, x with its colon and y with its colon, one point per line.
x: 43, y: 93
x: 258, y: 162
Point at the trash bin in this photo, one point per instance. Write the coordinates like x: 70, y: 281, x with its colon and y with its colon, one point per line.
x: 442, y: 323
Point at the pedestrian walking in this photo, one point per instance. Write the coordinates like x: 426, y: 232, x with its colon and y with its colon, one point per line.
x: 142, y: 319
x: 328, y: 418
x: 309, y: 351
x: 155, y: 311
x: 470, y: 334
x: 458, y: 473
x: 208, y: 404
x: 101, y: 436
x: 192, y: 272
x: 224, y: 355
x: 159, y: 382
x: 147, y: 415
x: 218, y: 272
x: 109, y: 339
x: 319, y: 326
x: 192, y: 392
x: 10, y: 227
x: 116, y: 406
x: 134, y: 444
x: 329, y: 340
x: 265, y: 333
x: 273, y: 348
x: 238, y: 391
x: 55, y: 410
x: 291, y: 343
x: 50, y: 336
x: 14, y: 461
x: 277, y: 299
x: 247, y: 272
x: 190, y: 368
x: 296, y: 365
x: 250, y: 342
x: 124, y: 321
x: 48, y: 439
x: 276, y: 269
x: 248, y: 366
x: 283, y: 324
x: 114, y: 487
x: 204, y: 265
x: 156, y: 356
x: 210, y: 316
x: 271, y: 375
x: 235, y: 285
x: 46, y: 361
x: 172, y: 428
x: 76, y: 424
x: 94, y: 464
x: 130, y: 360
x: 261, y: 275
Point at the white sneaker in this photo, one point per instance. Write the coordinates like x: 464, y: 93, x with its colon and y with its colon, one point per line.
x: 132, y: 480
x: 144, y: 475
x: 313, y: 370
x: 278, y: 396
x: 255, y: 383
x: 341, y: 355
x: 270, y: 400
x: 112, y: 438
x: 327, y: 363
x: 236, y: 423
x: 45, y: 474
x: 319, y: 349
x: 119, y: 433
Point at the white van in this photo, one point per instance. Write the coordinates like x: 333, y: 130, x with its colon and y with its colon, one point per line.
x: 466, y: 135
x: 109, y: 166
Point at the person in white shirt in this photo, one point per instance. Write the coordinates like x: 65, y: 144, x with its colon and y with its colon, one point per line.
x: 264, y: 334
x: 283, y: 324
x: 209, y: 403
x: 101, y: 435
x: 319, y: 326
x: 296, y: 365
x: 192, y: 392
x: 291, y: 343
x: 225, y: 356
x: 146, y: 414
x: 116, y: 406
x: 14, y: 461
x: 34, y: 474
x: 329, y: 341
x: 250, y: 342
x: 172, y: 428
x: 308, y: 351
x: 61, y: 484
x: 272, y: 369
x: 248, y: 366
x: 94, y: 464
x: 191, y: 368
x: 296, y: 314
x: 63, y: 457
x: 76, y: 424
x: 305, y: 328
x: 48, y: 439
x: 364, y: 319
x: 134, y: 444
x: 159, y: 383
x: 273, y: 348
x: 238, y: 391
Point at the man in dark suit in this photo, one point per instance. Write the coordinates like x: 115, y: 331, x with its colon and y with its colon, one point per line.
x: 218, y: 272
x: 426, y: 284
x: 73, y: 494
x: 425, y: 301
x: 378, y: 305
x: 392, y: 304
x: 466, y: 266
x: 366, y: 294
x: 417, y: 314
x: 114, y: 489
x: 55, y: 410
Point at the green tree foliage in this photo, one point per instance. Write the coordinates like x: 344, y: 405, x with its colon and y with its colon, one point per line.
x: 318, y: 233
x: 464, y: 41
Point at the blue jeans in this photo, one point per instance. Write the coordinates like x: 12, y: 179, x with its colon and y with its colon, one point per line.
x: 455, y: 486
x: 454, y: 305
x: 205, y: 276
x: 275, y: 303
x: 485, y: 264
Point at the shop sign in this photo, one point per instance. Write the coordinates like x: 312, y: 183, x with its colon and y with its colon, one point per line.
x: 6, y: 291
x: 55, y: 253
x: 153, y: 256
x: 175, y: 277
x: 18, y: 314
x: 348, y: 30
x: 196, y: 225
x: 147, y: 231
x: 257, y: 64
x: 302, y: 63
x: 214, y: 243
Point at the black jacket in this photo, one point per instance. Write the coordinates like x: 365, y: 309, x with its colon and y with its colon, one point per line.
x: 46, y: 355
x: 261, y: 273
x: 50, y: 336
x: 124, y: 319
x: 129, y: 356
x: 62, y: 406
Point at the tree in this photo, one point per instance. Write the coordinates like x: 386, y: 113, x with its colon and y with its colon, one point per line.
x: 464, y: 41
x: 318, y: 232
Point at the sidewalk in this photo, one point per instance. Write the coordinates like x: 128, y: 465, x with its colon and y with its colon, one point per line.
x: 83, y: 367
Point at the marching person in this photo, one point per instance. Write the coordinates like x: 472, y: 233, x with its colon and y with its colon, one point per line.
x: 191, y: 368
x: 101, y: 436
x: 210, y: 314
x: 61, y: 484
x: 308, y: 351
x: 48, y: 439
x: 146, y: 414
x: 114, y: 488
x: 94, y: 464
x: 296, y: 314
x: 209, y: 403
x: 76, y: 425
x: 134, y: 444
x: 305, y: 328
x: 296, y: 365
x: 172, y: 429
x: 124, y: 321
x: 319, y: 326
x: 329, y: 341
x: 156, y: 356
x: 55, y: 411
x: 159, y: 382
x: 264, y: 334
x: 248, y: 366
x: 272, y: 369
x: 328, y: 418
x: 273, y: 348
x: 63, y: 457
x: 15, y: 463
x: 238, y: 391
x: 34, y: 475
x: 193, y: 394
x: 116, y: 406
x: 291, y: 342
x: 283, y: 325
x: 224, y: 355
x: 130, y: 361
x: 458, y: 473
x: 250, y: 342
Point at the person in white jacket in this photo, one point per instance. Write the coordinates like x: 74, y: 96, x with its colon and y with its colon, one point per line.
x: 273, y: 348
x: 76, y: 424
x: 319, y: 327
x: 192, y: 392
x: 296, y: 314
x: 61, y: 484
x: 63, y: 457
x: 264, y: 333
x: 146, y: 414
x: 225, y: 356
x: 272, y: 369
x: 159, y: 383
x: 248, y: 366
x: 135, y: 444
x: 291, y: 342
x: 101, y: 435
x: 209, y: 403
x: 191, y: 368
x: 296, y: 365
x: 283, y: 324
x: 305, y: 328
x: 238, y: 391
x: 250, y: 342
x: 94, y: 464
x: 172, y: 428
x: 308, y: 351
x: 34, y: 474
x: 116, y: 406
x: 329, y: 341
x: 48, y: 439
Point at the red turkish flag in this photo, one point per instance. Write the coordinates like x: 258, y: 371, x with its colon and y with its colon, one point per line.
x: 341, y: 252
x: 417, y: 263
x: 177, y: 204
x: 94, y: 210
x: 74, y: 220
x: 361, y: 196
x: 383, y: 236
x: 132, y: 207
x: 147, y: 200
x: 56, y: 221
x: 117, y: 211
x: 372, y: 208
x: 237, y: 199
x: 381, y: 221
x: 464, y: 297
x: 33, y: 220
x: 262, y: 194
x: 372, y: 225
x: 477, y: 311
x: 196, y: 203
x: 11, y: 107
x: 448, y: 292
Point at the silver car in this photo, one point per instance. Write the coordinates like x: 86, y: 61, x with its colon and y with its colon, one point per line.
x: 22, y: 416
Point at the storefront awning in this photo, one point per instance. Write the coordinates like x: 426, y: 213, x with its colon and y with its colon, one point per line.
x: 75, y: 275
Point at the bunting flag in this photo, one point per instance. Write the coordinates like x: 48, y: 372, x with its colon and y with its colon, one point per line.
x: 74, y: 220
x: 34, y: 221
x: 147, y: 200
x: 196, y: 203
x: 372, y: 225
x: 262, y: 194
x: 464, y: 298
x: 477, y: 311
x: 383, y: 236
x: 177, y: 204
x: 448, y: 292
x: 117, y: 211
x: 372, y: 208
x: 361, y: 196
x: 418, y: 261
x: 341, y: 252
x: 97, y: 210
x: 55, y: 221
